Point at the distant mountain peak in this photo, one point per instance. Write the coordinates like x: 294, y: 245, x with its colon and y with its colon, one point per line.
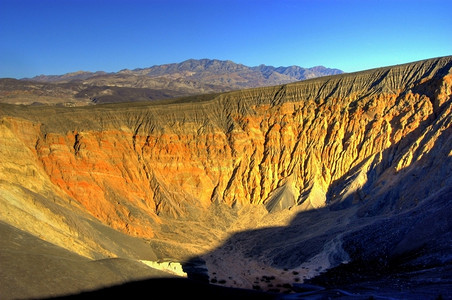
x: 189, y: 77
x: 206, y: 65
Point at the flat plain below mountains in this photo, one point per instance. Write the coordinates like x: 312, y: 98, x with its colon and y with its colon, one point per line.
x: 339, y: 186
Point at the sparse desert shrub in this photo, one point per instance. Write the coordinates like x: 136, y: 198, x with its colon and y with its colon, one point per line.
x: 267, y: 278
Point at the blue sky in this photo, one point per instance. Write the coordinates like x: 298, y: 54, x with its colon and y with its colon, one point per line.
x: 60, y: 36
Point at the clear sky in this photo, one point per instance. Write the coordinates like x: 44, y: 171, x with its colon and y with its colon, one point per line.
x: 60, y: 36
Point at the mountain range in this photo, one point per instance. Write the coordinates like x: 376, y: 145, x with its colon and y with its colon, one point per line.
x: 190, y: 77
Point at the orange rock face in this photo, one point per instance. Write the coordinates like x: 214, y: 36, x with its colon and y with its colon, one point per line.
x: 300, y: 145
x: 99, y: 170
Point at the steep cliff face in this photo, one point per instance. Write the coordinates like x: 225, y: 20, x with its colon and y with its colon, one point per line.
x: 309, y: 144
x: 378, y: 141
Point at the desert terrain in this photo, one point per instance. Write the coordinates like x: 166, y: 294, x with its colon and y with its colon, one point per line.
x: 332, y: 187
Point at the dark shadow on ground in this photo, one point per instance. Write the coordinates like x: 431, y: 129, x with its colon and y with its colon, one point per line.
x: 405, y: 255
x: 169, y: 288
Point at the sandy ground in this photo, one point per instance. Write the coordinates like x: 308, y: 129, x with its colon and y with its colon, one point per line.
x: 33, y: 268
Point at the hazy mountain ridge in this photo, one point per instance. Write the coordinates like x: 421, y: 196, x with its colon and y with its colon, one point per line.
x: 202, y: 68
x: 190, y: 77
x: 264, y: 186
x: 78, y: 75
